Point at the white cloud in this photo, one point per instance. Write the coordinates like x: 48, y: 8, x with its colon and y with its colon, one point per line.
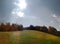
x: 20, y: 14
x: 20, y: 6
x: 57, y: 18
x: 54, y: 16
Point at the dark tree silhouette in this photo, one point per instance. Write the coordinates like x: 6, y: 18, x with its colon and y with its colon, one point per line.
x: 20, y: 27
x: 58, y: 33
x: 52, y: 30
x: 44, y: 29
x: 37, y: 28
x: 31, y: 27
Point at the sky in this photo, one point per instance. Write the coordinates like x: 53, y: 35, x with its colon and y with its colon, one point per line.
x: 31, y: 12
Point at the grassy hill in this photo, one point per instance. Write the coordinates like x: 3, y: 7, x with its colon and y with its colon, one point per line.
x: 28, y: 37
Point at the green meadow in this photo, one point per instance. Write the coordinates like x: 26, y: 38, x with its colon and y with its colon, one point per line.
x: 28, y: 37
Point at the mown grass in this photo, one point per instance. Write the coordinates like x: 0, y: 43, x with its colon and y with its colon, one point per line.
x: 35, y: 37
x: 28, y: 37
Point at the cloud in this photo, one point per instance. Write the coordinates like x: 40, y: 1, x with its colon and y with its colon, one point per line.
x: 54, y: 16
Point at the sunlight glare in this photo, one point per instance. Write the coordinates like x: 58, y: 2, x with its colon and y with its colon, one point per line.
x: 20, y: 14
x: 21, y: 4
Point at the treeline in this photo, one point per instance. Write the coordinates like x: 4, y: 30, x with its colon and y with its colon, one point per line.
x: 19, y: 27
x: 50, y: 29
x: 10, y: 27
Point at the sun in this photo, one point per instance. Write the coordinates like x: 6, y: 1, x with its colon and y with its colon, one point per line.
x: 20, y: 14
x: 21, y: 4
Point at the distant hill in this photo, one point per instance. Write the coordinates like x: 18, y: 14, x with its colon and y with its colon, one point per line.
x: 28, y: 37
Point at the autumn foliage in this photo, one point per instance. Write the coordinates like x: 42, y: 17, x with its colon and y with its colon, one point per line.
x: 9, y: 27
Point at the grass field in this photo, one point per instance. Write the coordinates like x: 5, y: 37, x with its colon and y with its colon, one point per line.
x: 28, y: 37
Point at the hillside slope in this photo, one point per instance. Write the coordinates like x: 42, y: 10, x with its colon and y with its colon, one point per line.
x: 28, y: 37
x: 37, y: 37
